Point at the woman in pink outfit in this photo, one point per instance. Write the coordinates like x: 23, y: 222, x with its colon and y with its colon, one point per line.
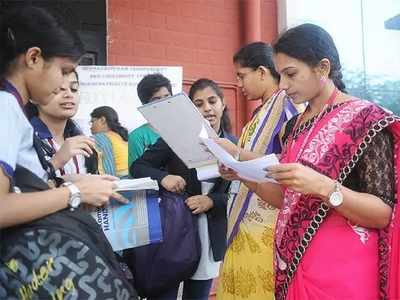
x: 337, y: 233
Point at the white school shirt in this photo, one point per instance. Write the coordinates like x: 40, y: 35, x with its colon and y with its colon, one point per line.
x: 16, y: 136
x: 208, y: 268
x: 75, y: 165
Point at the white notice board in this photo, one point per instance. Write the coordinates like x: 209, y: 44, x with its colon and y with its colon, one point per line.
x: 179, y: 123
x: 115, y: 86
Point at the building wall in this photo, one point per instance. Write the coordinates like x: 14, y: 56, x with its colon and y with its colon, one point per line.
x: 200, y: 35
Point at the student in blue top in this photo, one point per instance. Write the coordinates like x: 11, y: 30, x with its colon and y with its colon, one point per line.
x: 36, y: 53
x: 151, y: 88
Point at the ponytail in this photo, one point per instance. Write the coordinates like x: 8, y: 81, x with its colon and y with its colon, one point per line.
x: 112, y: 120
x: 118, y: 128
x: 337, y: 78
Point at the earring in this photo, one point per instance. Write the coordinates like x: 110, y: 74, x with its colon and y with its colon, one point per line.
x: 323, y: 79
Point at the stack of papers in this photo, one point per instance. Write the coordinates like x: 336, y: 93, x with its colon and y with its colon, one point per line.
x: 136, y: 184
x: 253, y: 170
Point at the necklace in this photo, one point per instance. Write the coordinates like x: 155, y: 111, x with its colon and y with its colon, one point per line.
x: 290, y: 143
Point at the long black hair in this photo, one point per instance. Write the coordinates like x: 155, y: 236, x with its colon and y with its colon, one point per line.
x: 254, y: 55
x: 28, y: 26
x: 111, y: 117
x: 203, y: 83
x: 310, y: 44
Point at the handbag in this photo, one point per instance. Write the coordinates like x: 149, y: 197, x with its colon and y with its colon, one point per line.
x: 158, y: 267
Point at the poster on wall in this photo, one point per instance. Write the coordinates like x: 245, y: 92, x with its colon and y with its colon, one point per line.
x: 115, y: 86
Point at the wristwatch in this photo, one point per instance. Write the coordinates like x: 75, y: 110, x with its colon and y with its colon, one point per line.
x: 336, y: 197
x: 74, y: 195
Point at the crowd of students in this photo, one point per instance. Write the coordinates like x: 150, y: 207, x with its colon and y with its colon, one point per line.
x: 327, y: 227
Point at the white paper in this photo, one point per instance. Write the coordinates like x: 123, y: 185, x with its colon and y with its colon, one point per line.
x: 136, y: 184
x: 179, y: 123
x: 207, y: 172
x: 253, y: 170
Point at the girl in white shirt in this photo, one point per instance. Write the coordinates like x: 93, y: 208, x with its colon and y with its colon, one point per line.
x: 64, y: 144
x: 36, y: 53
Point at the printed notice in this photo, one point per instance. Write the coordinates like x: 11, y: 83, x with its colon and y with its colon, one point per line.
x: 134, y: 224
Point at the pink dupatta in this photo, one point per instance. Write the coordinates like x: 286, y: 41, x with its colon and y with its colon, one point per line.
x: 319, y: 254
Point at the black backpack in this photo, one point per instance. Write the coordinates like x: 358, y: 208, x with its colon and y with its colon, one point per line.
x: 64, y: 255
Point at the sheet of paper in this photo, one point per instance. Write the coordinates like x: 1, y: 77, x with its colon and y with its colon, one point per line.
x: 178, y: 122
x: 207, y: 172
x: 136, y: 184
x: 252, y: 170
x: 130, y: 225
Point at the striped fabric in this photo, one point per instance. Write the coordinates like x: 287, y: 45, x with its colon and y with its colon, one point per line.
x: 247, y: 271
x: 113, y: 154
x: 260, y: 135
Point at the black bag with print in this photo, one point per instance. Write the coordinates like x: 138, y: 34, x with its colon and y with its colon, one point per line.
x: 64, y: 255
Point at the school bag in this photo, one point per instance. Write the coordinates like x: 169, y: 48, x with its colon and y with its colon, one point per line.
x: 64, y: 255
x: 161, y: 266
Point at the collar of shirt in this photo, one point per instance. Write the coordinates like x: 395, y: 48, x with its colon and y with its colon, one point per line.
x: 10, y: 88
x: 41, y: 129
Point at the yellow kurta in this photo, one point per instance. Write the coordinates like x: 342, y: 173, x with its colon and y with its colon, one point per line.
x: 247, y: 270
x: 113, y: 154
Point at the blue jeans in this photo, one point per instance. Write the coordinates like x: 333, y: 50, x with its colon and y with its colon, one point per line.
x: 192, y: 290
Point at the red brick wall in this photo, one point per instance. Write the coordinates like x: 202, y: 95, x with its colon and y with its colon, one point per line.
x: 200, y: 35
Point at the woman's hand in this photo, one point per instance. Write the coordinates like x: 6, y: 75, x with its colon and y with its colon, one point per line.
x: 73, y: 146
x: 229, y: 147
x: 96, y: 190
x: 173, y: 183
x: 227, y: 173
x: 302, y: 179
x: 199, y: 204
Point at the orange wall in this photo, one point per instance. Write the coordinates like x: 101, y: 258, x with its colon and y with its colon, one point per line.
x: 200, y: 35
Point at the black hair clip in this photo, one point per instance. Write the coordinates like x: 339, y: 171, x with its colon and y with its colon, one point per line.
x: 10, y: 34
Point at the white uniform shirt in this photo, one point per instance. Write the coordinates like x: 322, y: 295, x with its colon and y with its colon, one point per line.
x: 75, y: 165
x: 16, y: 135
x: 208, y: 268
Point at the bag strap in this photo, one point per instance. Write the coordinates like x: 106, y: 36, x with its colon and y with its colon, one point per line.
x: 41, y: 148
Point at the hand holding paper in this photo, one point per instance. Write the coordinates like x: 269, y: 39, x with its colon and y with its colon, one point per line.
x: 253, y: 170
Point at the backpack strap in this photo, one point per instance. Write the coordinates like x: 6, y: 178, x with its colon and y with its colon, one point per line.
x: 41, y: 149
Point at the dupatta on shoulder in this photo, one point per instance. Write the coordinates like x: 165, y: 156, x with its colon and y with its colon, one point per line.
x: 104, y: 148
x: 260, y: 135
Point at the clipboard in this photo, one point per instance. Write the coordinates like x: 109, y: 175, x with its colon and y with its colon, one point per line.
x: 177, y: 120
